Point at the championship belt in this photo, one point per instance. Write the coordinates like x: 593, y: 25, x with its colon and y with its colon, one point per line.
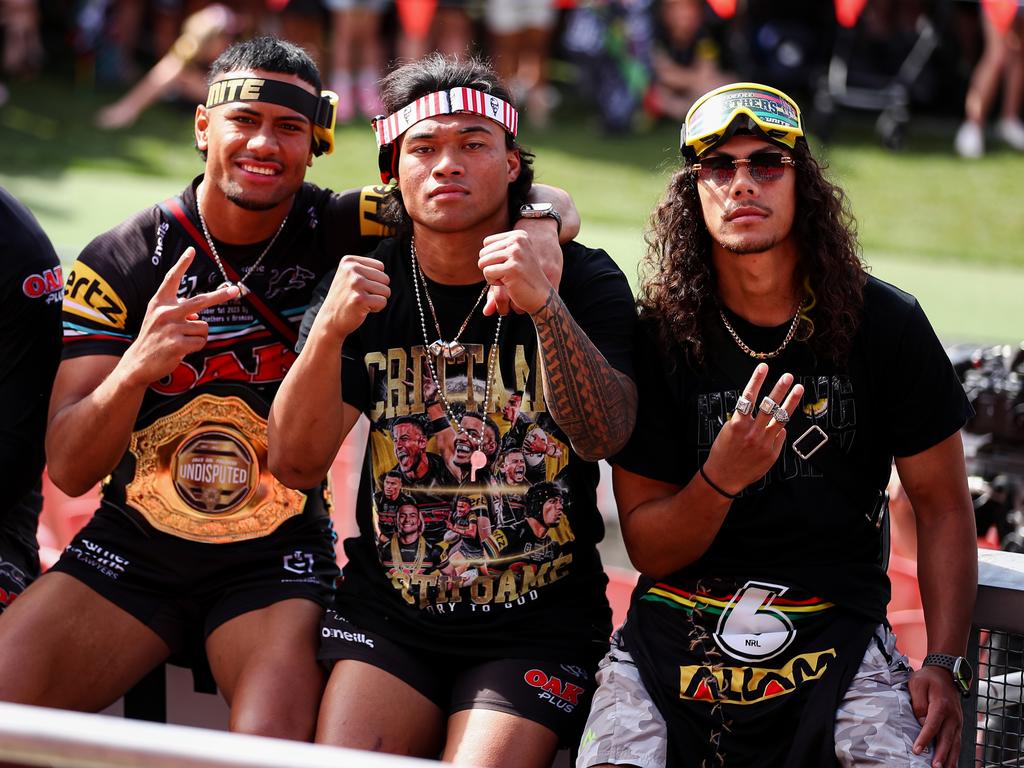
x: 201, y: 474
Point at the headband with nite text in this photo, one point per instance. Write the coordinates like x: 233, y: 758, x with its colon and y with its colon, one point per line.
x: 319, y: 110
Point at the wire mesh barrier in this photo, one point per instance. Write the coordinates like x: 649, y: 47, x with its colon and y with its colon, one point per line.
x: 994, y: 714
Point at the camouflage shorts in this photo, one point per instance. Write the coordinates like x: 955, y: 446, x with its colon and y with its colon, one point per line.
x: 875, y: 725
x: 624, y: 726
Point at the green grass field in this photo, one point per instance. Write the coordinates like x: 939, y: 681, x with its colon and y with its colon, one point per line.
x: 947, y: 230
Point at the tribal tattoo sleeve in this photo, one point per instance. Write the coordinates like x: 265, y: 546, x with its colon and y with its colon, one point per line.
x: 592, y: 402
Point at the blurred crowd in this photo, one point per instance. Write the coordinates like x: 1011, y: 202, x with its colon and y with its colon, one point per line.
x: 629, y: 62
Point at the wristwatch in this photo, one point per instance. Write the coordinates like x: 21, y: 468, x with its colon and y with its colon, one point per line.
x: 541, y: 211
x: 958, y: 667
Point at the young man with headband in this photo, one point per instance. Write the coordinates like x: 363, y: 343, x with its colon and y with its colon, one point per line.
x: 179, y: 325
x: 778, y: 380
x: 486, y: 663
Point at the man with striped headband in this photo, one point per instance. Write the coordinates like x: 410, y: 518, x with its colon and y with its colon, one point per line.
x: 179, y: 325
x: 486, y: 657
x: 777, y: 383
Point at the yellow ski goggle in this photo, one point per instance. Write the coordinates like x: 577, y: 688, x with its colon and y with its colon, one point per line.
x: 718, y: 114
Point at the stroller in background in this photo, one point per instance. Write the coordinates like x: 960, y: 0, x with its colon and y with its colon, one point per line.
x: 875, y: 66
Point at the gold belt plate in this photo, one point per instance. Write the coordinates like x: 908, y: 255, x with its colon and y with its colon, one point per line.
x: 201, y: 474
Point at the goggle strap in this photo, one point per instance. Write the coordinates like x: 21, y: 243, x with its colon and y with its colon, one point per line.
x: 389, y: 128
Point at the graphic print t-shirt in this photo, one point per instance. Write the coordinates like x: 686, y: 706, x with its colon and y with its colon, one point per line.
x: 897, y: 397
x: 503, y: 561
x: 201, y: 420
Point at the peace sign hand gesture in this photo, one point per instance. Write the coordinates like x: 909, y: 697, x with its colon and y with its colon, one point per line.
x: 749, y: 444
x: 171, y: 327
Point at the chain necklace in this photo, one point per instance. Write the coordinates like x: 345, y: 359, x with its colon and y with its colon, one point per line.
x: 451, y: 350
x: 763, y: 355
x: 478, y: 459
x: 242, y: 289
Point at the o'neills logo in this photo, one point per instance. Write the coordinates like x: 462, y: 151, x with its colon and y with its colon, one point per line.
x: 215, y: 471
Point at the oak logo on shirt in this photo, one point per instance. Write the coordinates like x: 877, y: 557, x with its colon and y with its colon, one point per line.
x: 90, y: 296
x: 48, y: 283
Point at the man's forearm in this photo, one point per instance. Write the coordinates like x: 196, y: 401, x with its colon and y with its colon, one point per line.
x: 86, y: 439
x: 594, y: 404
x: 307, y: 419
x: 948, y: 577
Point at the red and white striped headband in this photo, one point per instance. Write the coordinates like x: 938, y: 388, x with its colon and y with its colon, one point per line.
x: 500, y: 111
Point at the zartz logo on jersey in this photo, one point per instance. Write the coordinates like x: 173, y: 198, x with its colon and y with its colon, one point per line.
x: 48, y: 283
x: 215, y: 472
x: 90, y: 296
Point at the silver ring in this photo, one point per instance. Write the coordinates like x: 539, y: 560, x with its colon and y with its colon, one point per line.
x: 768, y: 406
x: 780, y: 414
x: 744, y: 406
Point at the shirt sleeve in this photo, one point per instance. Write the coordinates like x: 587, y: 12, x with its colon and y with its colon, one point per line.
x: 926, y: 402
x: 599, y: 298
x: 101, y: 315
x: 655, y: 450
x: 355, y: 224
x: 30, y: 342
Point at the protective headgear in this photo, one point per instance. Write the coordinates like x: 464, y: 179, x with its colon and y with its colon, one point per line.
x: 758, y: 109
x: 389, y: 128
x: 319, y: 110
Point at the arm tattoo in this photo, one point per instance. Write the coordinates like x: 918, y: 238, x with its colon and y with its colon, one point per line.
x: 591, y: 402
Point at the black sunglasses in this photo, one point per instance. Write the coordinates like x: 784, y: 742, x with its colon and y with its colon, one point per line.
x: 763, y: 167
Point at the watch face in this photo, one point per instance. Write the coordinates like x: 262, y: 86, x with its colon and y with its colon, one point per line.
x: 963, y: 675
x: 536, y: 209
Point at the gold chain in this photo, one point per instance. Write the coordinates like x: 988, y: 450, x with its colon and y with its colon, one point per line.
x: 763, y: 355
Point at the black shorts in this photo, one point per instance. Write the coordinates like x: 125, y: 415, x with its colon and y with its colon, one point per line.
x: 183, y: 590
x: 555, y: 694
x: 19, y: 551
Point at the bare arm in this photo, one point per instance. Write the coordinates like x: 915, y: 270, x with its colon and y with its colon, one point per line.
x: 92, y: 412
x: 96, y: 399
x: 308, y: 419
x: 564, y: 204
x: 666, y: 527
x: 594, y: 404
x: 947, y: 551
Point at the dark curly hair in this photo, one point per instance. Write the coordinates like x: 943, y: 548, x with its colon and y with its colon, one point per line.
x: 438, y: 72
x: 679, y: 292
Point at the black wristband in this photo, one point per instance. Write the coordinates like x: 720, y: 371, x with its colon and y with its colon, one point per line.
x: 715, y: 487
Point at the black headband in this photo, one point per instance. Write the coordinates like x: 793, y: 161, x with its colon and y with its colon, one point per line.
x: 319, y: 110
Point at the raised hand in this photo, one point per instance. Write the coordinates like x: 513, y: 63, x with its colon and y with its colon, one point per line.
x: 748, y: 445
x: 171, y: 327
x: 521, y: 269
x: 360, y: 286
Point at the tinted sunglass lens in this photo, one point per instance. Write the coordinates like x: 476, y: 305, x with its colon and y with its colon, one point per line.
x: 767, y: 167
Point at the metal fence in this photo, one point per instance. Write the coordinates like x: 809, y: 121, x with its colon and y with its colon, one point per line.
x: 994, y: 713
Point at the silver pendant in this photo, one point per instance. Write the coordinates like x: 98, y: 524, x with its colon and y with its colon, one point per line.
x: 453, y: 351
x: 437, y: 348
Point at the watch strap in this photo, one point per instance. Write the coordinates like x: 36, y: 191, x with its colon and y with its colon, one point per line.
x: 940, y: 660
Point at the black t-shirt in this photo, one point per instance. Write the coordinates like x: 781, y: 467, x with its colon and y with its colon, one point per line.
x: 199, y: 439
x: 31, y: 285
x: 511, y: 605
x: 897, y: 397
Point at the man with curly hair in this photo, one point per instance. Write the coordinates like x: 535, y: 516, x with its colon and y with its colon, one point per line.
x: 756, y: 514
